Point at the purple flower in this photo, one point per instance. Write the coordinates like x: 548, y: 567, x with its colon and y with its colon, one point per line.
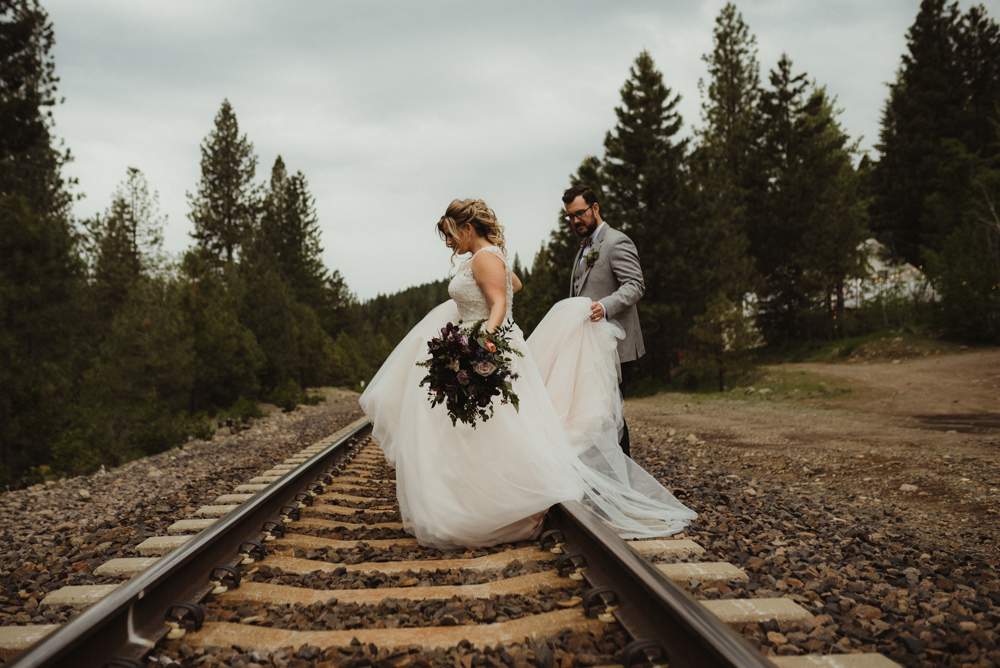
x: 463, y: 378
x: 464, y: 340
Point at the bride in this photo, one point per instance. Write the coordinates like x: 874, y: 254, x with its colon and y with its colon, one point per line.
x: 464, y: 487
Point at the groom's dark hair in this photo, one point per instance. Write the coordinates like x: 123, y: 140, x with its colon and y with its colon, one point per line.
x: 576, y: 191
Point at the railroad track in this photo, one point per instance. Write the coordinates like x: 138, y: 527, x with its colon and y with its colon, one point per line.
x: 309, y: 560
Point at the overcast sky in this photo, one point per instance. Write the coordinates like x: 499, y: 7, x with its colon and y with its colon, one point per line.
x: 393, y: 108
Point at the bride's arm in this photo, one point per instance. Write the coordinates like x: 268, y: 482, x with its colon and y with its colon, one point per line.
x: 491, y: 277
x: 515, y: 281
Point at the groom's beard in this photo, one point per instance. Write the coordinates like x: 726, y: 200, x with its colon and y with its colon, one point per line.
x: 591, y: 226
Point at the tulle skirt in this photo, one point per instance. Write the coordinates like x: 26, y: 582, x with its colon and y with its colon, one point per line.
x: 464, y: 487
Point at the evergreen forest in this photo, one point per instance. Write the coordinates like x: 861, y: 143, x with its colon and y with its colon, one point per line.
x: 750, y: 228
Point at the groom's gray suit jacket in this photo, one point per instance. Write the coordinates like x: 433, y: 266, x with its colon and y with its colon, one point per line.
x: 615, y: 280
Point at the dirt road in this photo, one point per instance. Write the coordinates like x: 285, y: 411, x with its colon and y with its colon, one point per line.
x: 922, y: 434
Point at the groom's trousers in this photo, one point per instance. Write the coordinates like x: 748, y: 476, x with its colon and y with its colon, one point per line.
x: 623, y: 442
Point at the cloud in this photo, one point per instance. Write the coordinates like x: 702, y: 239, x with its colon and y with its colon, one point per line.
x: 393, y: 108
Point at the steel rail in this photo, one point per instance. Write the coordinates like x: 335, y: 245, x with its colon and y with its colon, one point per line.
x: 651, y: 607
x: 129, y: 621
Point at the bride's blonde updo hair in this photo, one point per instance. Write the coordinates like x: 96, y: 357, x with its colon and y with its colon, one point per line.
x: 475, y: 213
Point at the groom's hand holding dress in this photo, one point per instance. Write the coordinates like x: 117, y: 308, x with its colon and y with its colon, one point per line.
x: 606, y: 270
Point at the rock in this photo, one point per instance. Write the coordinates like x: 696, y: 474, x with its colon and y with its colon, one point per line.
x: 907, y: 488
x: 867, y: 612
x: 691, y: 438
x: 749, y: 390
x: 776, y: 638
x: 83, y: 494
x: 66, y: 526
x: 968, y: 627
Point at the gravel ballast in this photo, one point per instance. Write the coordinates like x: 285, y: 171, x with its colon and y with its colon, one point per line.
x: 57, y: 533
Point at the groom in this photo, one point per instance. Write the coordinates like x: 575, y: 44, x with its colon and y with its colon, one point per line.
x: 606, y: 270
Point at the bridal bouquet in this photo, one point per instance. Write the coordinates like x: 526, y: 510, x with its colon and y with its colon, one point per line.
x: 467, y: 368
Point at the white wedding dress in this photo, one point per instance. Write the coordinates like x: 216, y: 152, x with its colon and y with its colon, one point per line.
x: 464, y: 487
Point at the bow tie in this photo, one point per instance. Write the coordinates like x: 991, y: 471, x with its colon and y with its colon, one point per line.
x: 584, y: 242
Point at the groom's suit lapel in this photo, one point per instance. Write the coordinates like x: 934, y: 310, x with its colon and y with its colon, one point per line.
x: 596, y: 247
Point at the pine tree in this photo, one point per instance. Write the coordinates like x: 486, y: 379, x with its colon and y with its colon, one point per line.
x: 642, y: 181
x: 30, y: 164
x: 724, y: 172
x: 978, y: 52
x: 227, y: 358
x: 787, y: 153
x: 642, y: 157
x: 141, y: 378
x: 720, y: 334
x: 126, y: 243
x: 806, y: 240
x: 289, y: 227
x: 966, y: 269
x: 924, y: 108
x: 287, y: 240
x: 41, y: 275
x: 40, y: 352
x: 225, y: 207
x: 730, y: 105
x: 839, y: 223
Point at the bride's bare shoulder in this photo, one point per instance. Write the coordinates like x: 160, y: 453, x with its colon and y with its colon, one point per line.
x: 489, y: 256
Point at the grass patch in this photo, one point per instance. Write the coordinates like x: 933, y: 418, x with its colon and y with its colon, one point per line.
x: 762, y: 385
x: 814, y: 351
x: 699, y: 378
x: 775, y: 383
x: 886, y: 345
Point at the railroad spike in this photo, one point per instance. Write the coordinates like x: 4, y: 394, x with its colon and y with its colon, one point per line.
x: 650, y: 651
x: 601, y: 596
x: 556, y: 538
x: 272, y: 527
x: 250, y: 547
x: 182, y: 614
x: 574, y: 560
x: 229, y: 574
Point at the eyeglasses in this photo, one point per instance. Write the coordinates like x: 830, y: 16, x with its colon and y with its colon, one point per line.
x: 574, y: 215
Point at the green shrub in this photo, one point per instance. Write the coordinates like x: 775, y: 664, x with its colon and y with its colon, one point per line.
x: 287, y: 396
x: 74, y: 454
x: 245, y: 410
x: 314, y: 399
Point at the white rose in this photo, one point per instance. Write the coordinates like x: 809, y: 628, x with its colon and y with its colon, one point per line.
x: 484, y: 368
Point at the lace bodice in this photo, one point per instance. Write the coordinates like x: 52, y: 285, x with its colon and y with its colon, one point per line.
x: 468, y: 296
